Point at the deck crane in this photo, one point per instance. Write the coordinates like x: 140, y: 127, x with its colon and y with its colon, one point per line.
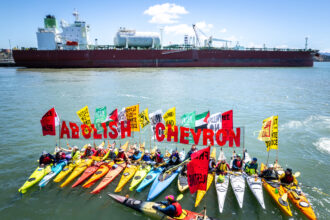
x: 209, y: 40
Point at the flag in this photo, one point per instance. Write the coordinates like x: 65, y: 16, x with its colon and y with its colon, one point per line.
x: 121, y: 117
x: 113, y: 116
x: 197, y: 170
x: 169, y: 118
x: 83, y: 114
x: 155, y: 118
x: 273, y: 142
x: 201, y: 121
x: 188, y: 121
x: 214, y: 122
x: 266, y: 129
x: 144, y: 118
x: 227, y: 120
x: 100, y: 116
x: 132, y: 115
x: 57, y: 118
x: 48, y: 123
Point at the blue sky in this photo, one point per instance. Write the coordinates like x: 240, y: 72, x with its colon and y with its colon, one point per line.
x: 276, y: 23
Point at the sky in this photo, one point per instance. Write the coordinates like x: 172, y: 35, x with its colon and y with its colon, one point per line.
x: 253, y: 23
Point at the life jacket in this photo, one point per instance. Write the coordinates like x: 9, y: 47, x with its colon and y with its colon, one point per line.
x: 100, y: 153
x: 88, y: 153
x: 159, y: 158
x: 222, y: 167
x: 178, y: 209
x: 238, y: 163
x: 46, y: 160
x: 121, y: 155
x: 287, y: 179
x: 249, y: 169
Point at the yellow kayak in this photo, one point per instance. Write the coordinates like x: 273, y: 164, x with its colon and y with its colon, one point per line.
x: 210, y: 177
x: 35, y: 177
x: 127, y: 175
x: 78, y: 170
x: 276, y: 191
x: 140, y: 174
x: 66, y: 170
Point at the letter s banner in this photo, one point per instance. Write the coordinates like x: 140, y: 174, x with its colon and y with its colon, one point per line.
x: 197, y: 170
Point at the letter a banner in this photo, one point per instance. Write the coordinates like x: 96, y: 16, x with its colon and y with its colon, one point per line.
x: 132, y: 115
x: 144, y: 118
x: 197, y: 170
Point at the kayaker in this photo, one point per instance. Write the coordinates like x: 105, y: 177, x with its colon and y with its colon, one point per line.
x: 146, y: 157
x: 237, y: 163
x: 111, y: 154
x: 100, y: 152
x: 288, y: 178
x: 222, y: 167
x: 212, y: 165
x: 75, y: 153
x: 269, y: 173
x: 251, y: 168
x: 121, y: 156
x: 172, y: 209
x: 174, y: 159
x: 59, y: 157
x: 158, y: 158
x: 137, y: 155
x: 45, y: 159
x: 89, y: 151
x: 192, y: 150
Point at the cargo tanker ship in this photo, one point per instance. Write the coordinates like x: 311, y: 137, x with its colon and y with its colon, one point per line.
x: 72, y: 49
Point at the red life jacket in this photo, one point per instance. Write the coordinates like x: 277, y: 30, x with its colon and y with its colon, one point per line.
x: 121, y: 155
x: 238, y: 163
x: 158, y: 158
x: 287, y: 179
x: 46, y: 160
x: 178, y: 209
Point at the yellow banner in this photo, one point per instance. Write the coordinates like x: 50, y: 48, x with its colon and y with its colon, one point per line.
x: 144, y: 118
x: 273, y: 142
x: 266, y: 129
x: 83, y: 114
x: 132, y: 115
x: 169, y: 118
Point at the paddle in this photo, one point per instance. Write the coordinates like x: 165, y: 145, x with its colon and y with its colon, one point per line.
x: 175, y: 167
x: 180, y: 196
x: 232, y: 173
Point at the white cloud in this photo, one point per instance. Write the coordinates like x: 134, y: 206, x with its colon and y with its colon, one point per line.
x: 223, y: 30
x: 181, y: 29
x: 166, y: 13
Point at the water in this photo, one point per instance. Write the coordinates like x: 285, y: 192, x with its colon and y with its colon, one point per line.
x: 299, y: 96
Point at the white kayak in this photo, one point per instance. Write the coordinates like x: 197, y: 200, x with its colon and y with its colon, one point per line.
x: 237, y: 182
x: 221, y: 188
x: 254, y: 183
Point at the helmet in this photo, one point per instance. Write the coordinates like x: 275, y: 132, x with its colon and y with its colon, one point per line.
x: 44, y: 152
x: 158, y: 150
x: 170, y: 198
x: 146, y: 152
x: 121, y: 150
x: 173, y: 151
x: 289, y: 170
x: 75, y: 147
x: 89, y: 145
x: 238, y: 155
x: 270, y: 165
x: 255, y: 159
x: 100, y: 148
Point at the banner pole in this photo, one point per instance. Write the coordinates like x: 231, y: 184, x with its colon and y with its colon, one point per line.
x: 268, y: 157
x: 59, y: 134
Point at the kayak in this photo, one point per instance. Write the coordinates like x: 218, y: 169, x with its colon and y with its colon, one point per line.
x: 56, y: 169
x: 77, y: 171
x: 237, y: 183
x: 66, y: 170
x: 276, y: 191
x: 210, y: 176
x: 35, y: 177
x: 162, y: 182
x: 183, y: 180
x: 221, y: 188
x: 152, y: 175
x: 87, y: 173
x: 254, y: 183
x: 147, y: 209
x: 140, y: 174
x: 111, y: 175
x: 127, y: 175
x: 101, y: 171
x: 125, y: 146
x: 298, y: 199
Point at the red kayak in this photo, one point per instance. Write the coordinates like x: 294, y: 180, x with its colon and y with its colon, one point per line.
x: 103, y: 170
x: 88, y: 172
x: 112, y: 174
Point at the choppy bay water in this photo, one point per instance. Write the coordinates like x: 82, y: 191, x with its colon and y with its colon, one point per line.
x: 299, y: 96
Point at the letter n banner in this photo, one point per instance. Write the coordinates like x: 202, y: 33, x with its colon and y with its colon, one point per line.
x: 197, y: 170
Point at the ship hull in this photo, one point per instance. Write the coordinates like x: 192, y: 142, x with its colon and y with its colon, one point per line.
x: 117, y: 58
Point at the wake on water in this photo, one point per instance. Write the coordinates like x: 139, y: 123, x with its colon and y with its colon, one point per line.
x: 323, y: 145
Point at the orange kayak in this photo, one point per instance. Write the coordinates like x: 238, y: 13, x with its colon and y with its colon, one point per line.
x: 88, y: 172
x: 298, y: 198
x: 112, y: 174
x: 103, y: 169
x: 77, y: 171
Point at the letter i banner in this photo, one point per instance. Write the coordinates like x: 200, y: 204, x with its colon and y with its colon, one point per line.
x: 197, y: 170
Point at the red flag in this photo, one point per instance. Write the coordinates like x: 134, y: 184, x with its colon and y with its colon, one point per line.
x: 227, y: 120
x: 197, y: 170
x: 48, y: 123
x: 113, y: 116
x: 207, y: 117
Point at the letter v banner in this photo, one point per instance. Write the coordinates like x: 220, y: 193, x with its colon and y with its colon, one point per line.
x: 197, y: 170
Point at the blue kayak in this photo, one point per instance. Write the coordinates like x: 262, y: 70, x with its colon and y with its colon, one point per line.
x: 56, y: 169
x: 152, y: 175
x: 161, y: 183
